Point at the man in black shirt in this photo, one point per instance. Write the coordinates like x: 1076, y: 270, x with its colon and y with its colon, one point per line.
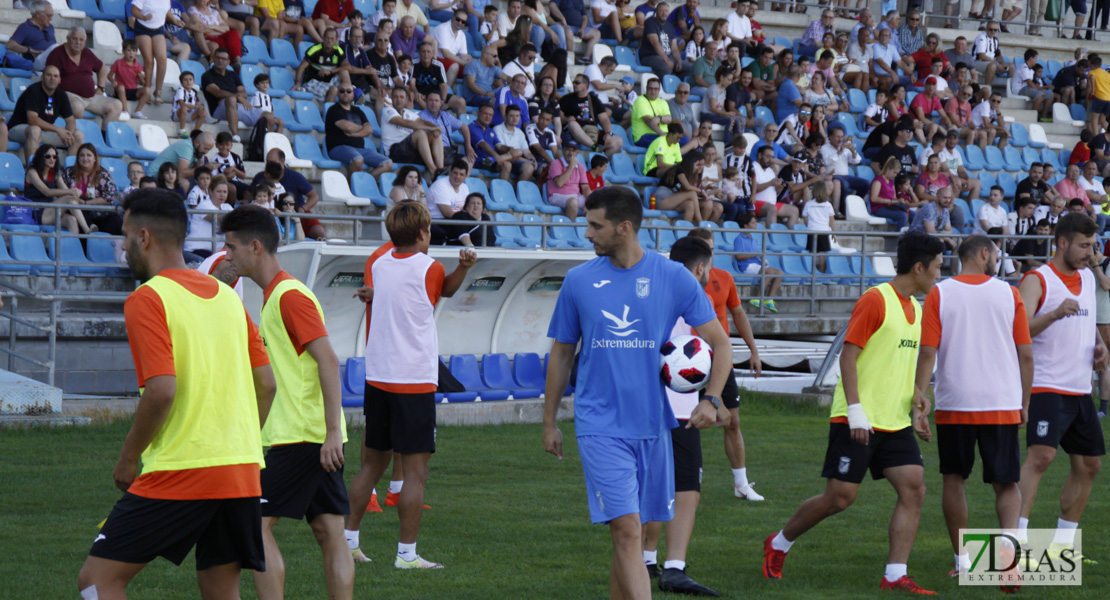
x: 1034, y: 187
x: 899, y: 148
x: 587, y: 121
x: 345, y: 131
x: 1071, y: 82
x: 319, y: 71
x: 428, y: 74
x: 382, y: 74
x: 882, y: 135
x: 35, y: 112
x: 225, y: 93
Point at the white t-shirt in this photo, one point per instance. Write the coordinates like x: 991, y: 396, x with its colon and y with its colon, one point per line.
x: 262, y: 101
x: 994, y: 216
x: 593, y: 73
x: 981, y: 115
x: 441, y: 192
x: 1022, y: 75
x: 391, y: 133
x: 984, y: 45
x: 504, y: 24
x: 876, y: 112
x: 952, y: 159
x: 157, y: 9
x: 510, y: 70
x: 515, y: 139
x: 738, y: 27
x: 1088, y: 185
x: 605, y: 8
x: 199, y: 227
x: 817, y: 215
x: 767, y: 194
x: 449, y: 39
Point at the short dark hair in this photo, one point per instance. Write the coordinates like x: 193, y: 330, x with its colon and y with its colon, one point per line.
x: 691, y: 252
x: 274, y: 169
x: 1036, y: 165
x: 130, y: 44
x: 1030, y: 53
x: 1023, y: 201
x: 675, y: 128
x: 971, y: 246
x: 223, y: 137
x: 598, y: 160
x: 1075, y: 202
x: 355, y: 13
x: 159, y: 210
x: 258, y: 79
x: 148, y: 179
x: 201, y: 171
x: 619, y: 203
x: 917, y: 247
x: 528, y: 48
x: 939, y: 138
x: 700, y: 233
x: 510, y: 108
x: 490, y: 8
x: 1071, y: 225
x: 608, y: 61
x: 1000, y: 190
x: 829, y: 54
x: 461, y: 164
x: 252, y: 222
x: 744, y: 218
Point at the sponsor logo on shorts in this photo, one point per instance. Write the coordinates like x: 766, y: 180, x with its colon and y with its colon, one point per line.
x: 670, y: 505
x: 845, y: 463
x: 600, y: 502
x: 263, y: 501
x: 700, y: 470
x: 1042, y: 428
x: 99, y: 537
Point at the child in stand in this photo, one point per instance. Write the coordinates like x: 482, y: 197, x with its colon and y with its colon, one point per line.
x: 404, y: 69
x: 125, y: 76
x: 187, y: 105
x: 135, y: 175
x: 230, y: 165
x: 903, y: 190
x: 595, y: 177
x: 627, y: 90
x: 387, y: 11
x: 202, y: 225
x: 354, y: 20
x: 148, y: 182
x: 199, y: 192
x: 1081, y: 153
x: 711, y: 174
x: 876, y: 112
x: 819, y: 215
x: 263, y: 104
x: 489, y: 24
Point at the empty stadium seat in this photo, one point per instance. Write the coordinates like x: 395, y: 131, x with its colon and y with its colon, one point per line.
x: 1037, y: 137
x: 93, y: 136
x: 993, y: 159
x: 627, y: 57
x: 73, y: 256
x: 8, y: 264
x: 628, y: 147
x: 354, y: 382
x: 1012, y: 158
x: 465, y: 368
x: 334, y: 188
x: 1019, y: 135
x: 64, y: 11
x: 664, y: 238
x: 528, y: 371
x: 114, y: 9
x: 308, y: 113
x: 11, y: 172
x: 568, y: 234
x: 283, y: 112
x: 363, y: 184
x: 308, y: 148
x: 497, y: 375
x: 101, y: 249
x: 106, y: 36
x: 505, y: 194
x: 529, y: 193
x: 778, y: 241
x: 29, y: 248
x: 1061, y: 114
x: 173, y: 75
x: 195, y: 68
x: 6, y: 103
x: 838, y: 269
x: 153, y: 138
x: 508, y: 233
x: 855, y: 209
x: 254, y: 52
x: 278, y: 140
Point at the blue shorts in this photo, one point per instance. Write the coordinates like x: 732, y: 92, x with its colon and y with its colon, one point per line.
x: 347, y: 154
x: 140, y: 29
x: 646, y: 139
x: 1100, y: 107
x: 628, y: 476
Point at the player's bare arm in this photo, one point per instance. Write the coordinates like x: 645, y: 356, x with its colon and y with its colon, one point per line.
x: 154, y: 409
x: 1031, y: 294
x: 706, y: 415
x: 327, y: 364
x: 452, y: 283
x: 1025, y: 364
x: 926, y: 358
x: 857, y: 418
x: 558, y: 375
x: 744, y: 327
x: 265, y: 388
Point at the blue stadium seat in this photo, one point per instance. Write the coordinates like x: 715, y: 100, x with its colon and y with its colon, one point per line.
x: 580, y: 230
x: 100, y: 249
x: 73, y: 255
x: 729, y: 231
x: 305, y: 146
x: 1029, y: 155
x: 781, y: 242
x: 762, y: 112
x: 528, y: 372
x: 281, y: 54
x: 633, y: 171
x: 27, y: 248
x: 1065, y: 157
x: 974, y: 160
x: 465, y: 368
x: 118, y: 170
x: 1019, y: 135
x: 254, y: 52
x: 994, y: 159
x: 282, y: 78
x: 308, y: 113
x: 497, y: 375
x: 11, y: 171
x: 628, y: 147
x: 93, y: 136
x: 364, y: 186
x: 664, y: 238
x: 1052, y: 67
x: 354, y: 382
x: 800, y: 267
x: 529, y: 193
x: 505, y: 194
x: 1050, y: 156
x: 645, y: 239
x: 195, y: 68
x: 857, y: 100
x: 865, y: 172
x: 724, y: 263
x: 114, y: 9
x: 506, y: 234
x: 90, y: 8
x: 122, y: 138
x: 1012, y: 157
x: 568, y: 234
x: 6, y: 103
x: 670, y: 83
x: 249, y: 72
x: 976, y: 205
x: 366, y: 7
x: 643, y: 179
x: 626, y: 56
x: 283, y: 112
x: 533, y: 235
x: 1008, y: 184
x: 1078, y: 113
x: 19, y: 85
x: 873, y: 278
x: 838, y: 269
x: 986, y: 180
x: 302, y: 48
x: 9, y: 265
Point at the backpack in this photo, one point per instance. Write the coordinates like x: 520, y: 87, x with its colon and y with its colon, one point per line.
x: 18, y: 215
x: 256, y: 143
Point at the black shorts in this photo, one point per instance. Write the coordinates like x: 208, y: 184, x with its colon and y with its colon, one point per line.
x: 822, y: 242
x: 138, y: 530
x: 687, y: 457
x: 403, y: 423
x: 405, y: 151
x: 241, y: 16
x: 846, y: 460
x: 296, y: 486
x: 998, y: 447
x: 132, y: 94
x: 730, y: 394
x: 1065, y: 420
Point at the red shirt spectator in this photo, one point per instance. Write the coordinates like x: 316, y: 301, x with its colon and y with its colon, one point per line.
x: 336, y: 10
x: 1080, y: 154
x: 959, y: 111
x: 923, y: 59
x: 927, y: 104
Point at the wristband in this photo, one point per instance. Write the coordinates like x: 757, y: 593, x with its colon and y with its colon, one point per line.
x: 857, y: 419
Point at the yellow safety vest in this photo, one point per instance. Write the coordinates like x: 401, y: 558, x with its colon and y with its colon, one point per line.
x: 886, y: 368
x: 297, y: 414
x: 214, y: 418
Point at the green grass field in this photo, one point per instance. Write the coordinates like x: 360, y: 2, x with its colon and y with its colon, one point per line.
x: 511, y: 522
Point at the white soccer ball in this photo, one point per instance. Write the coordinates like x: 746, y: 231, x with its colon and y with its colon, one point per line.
x: 686, y: 363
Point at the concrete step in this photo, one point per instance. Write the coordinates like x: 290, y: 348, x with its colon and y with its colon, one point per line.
x: 21, y: 395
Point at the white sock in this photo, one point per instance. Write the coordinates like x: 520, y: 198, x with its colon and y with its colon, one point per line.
x: 780, y: 543
x: 650, y: 557
x: 963, y: 562
x: 1023, y: 523
x: 1022, y: 533
x: 895, y: 571
x: 89, y: 593
x: 1065, y: 532
x: 740, y: 477
x: 406, y: 552
x: 675, y: 564
x: 352, y: 538
x: 395, y: 486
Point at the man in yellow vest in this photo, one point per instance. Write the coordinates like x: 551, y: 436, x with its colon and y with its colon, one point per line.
x: 871, y: 425
x: 206, y: 391
x: 303, y: 478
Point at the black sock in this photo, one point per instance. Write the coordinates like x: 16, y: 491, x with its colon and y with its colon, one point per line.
x: 1102, y: 405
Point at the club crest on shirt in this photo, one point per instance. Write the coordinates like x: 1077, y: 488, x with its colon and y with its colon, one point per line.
x: 1042, y: 428
x: 643, y: 287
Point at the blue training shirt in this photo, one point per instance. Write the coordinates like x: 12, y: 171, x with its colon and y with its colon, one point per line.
x: 623, y: 317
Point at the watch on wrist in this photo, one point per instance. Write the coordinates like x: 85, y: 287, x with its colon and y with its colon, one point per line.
x: 714, y: 400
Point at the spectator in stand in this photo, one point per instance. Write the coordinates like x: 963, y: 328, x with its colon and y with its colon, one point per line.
x: 452, y: 44
x: 933, y: 218
x: 779, y: 155
x: 44, y: 183
x: 704, y: 70
x: 988, y: 58
x: 1070, y: 82
x: 387, y: 10
x: 685, y: 19
x: 151, y: 17
x: 1022, y: 84
x: 407, y: 38
x: 95, y: 187
x: 482, y: 78
x: 958, y: 111
x: 1098, y: 84
x: 763, y: 77
x: 546, y: 97
x: 542, y: 141
x: 510, y: 95
x: 571, y: 14
x: 567, y: 182
x: 525, y: 64
x: 374, y: 72
x: 331, y: 14
x: 84, y: 78
x: 226, y: 96
x: 1081, y: 153
x: 722, y: 101
x: 876, y: 113
x: 931, y: 180
x: 32, y: 39
x: 586, y: 121
x: 36, y: 111
x: 838, y: 154
x: 884, y: 200
x: 767, y: 187
x: 680, y: 189
x: 346, y: 129
x: 649, y: 114
x: 1100, y: 153
x: 491, y: 154
x: 659, y: 49
x: 408, y: 139
x: 858, y: 70
x: 899, y: 149
x: 510, y: 135
x: 923, y: 58
x: 961, y: 53
x: 986, y: 118
x: 749, y: 263
x: 287, y: 181
x: 811, y: 38
x: 434, y: 114
x: 185, y: 155
x: 885, y: 60
x: 1070, y: 189
x: 789, y: 98
x: 911, y: 35
x: 1021, y: 221
x: 211, y: 31
x: 865, y: 20
x: 1037, y: 250
x: 599, y: 84
x: 595, y: 177
x: 1094, y: 194
x: 925, y: 104
x: 428, y: 74
x: 319, y: 71
x: 606, y: 17
x: 446, y: 197
x: 682, y: 112
x: 739, y: 27
x: 992, y: 214
x: 124, y: 78
x: 664, y: 153
x: 1035, y: 188
x: 471, y: 234
x: 167, y: 180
